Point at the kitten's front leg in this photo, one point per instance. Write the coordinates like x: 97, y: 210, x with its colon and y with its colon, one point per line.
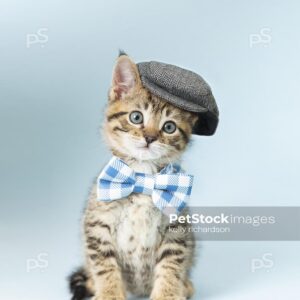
x: 102, y: 261
x: 171, y: 281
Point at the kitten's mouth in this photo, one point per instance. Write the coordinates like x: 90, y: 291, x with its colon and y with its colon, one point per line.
x: 145, y: 151
x: 143, y: 146
x: 146, y: 147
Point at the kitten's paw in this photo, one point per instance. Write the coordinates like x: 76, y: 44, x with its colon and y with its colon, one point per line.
x: 189, y: 289
x: 111, y: 296
x: 168, y: 298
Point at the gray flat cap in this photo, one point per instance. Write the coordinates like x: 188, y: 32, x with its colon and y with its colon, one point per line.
x: 184, y: 89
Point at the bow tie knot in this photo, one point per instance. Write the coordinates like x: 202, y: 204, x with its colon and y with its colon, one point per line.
x: 144, y: 183
x: 170, y: 189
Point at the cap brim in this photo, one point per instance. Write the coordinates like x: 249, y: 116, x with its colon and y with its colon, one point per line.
x: 206, y: 124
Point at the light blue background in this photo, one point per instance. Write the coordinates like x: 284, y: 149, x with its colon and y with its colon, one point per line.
x: 52, y: 97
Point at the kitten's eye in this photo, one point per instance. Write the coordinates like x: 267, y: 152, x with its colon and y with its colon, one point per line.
x: 136, y: 117
x: 169, y: 127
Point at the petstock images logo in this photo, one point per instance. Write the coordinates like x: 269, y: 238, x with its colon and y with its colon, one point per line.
x: 239, y: 223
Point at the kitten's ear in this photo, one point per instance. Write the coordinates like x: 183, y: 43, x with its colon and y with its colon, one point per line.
x: 125, y: 78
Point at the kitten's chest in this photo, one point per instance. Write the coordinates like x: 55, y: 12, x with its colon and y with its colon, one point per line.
x: 139, y: 225
x: 139, y: 230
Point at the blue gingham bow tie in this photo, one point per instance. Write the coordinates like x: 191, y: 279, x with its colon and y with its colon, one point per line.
x: 170, y: 188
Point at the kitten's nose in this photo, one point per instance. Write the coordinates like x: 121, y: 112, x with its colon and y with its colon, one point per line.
x: 150, y: 139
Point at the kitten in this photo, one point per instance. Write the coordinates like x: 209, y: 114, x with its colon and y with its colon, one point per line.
x: 129, y: 246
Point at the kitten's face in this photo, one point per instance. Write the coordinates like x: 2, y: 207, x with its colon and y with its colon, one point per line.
x: 140, y: 125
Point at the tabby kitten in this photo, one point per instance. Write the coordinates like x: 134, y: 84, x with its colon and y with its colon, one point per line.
x: 129, y: 244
